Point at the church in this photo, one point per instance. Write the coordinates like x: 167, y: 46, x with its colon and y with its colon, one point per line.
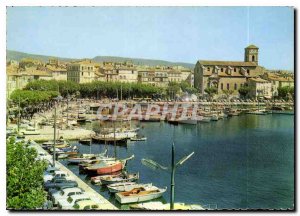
x: 227, y: 75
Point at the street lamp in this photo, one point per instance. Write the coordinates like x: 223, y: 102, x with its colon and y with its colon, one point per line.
x: 154, y: 165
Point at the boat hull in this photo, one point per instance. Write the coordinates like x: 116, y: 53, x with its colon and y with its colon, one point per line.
x: 137, y: 199
x: 110, y: 169
x: 189, y: 121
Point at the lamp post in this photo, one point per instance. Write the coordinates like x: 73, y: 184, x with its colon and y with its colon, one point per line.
x: 154, y: 165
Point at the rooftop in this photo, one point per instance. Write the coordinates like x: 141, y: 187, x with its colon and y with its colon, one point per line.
x: 227, y: 63
x: 251, y: 46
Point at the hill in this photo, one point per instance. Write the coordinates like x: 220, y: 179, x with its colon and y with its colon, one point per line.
x: 15, y: 55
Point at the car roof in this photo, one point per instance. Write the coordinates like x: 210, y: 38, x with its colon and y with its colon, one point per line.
x: 78, y: 196
x: 86, y: 202
x: 60, y: 172
x: 72, y: 189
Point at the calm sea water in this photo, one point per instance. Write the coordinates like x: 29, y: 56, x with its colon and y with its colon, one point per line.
x: 240, y: 162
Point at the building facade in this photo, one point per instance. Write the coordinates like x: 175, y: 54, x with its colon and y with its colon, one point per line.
x: 260, y: 88
x: 227, y: 75
x: 81, y: 72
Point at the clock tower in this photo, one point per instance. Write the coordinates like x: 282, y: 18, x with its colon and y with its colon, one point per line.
x: 251, y: 54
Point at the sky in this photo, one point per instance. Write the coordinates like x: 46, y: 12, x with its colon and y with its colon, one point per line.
x: 178, y: 34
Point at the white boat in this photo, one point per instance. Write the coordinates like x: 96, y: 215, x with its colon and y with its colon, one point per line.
x: 214, y: 117
x: 142, y: 194
x: 258, y: 112
x: 160, y: 206
x: 205, y: 119
x: 138, y: 139
x: 125, y: 186
x: 112, y: 179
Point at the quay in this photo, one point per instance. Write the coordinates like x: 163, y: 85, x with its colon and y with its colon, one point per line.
x: 104, y: 204
x: 46, y: 134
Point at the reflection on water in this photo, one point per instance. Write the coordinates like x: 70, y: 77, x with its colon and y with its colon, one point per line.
x: 239, y: 162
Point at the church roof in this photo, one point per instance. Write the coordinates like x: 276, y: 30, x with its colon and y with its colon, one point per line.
x: 252, y: 47
x: 227, y: 63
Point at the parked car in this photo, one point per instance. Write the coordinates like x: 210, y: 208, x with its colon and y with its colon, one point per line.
x: 50, y: 170
x: 57, y: 174
x: 86, y: 205
x: 65, y: 194
x: 57, y: 183
x: 67, y: 204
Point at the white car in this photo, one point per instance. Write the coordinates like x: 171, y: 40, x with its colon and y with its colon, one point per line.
x: 68, y: 203
x: 65, y: 194
x: 57, y: 174
x: 44, y: 156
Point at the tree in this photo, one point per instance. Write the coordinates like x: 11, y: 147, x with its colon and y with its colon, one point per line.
x: 244, y: 91
x: 24, y: 175
x: 211, y: 91
x: 227, y: 93
x: 186, y: 87
x: 173, y: 88
x: 285, y: 92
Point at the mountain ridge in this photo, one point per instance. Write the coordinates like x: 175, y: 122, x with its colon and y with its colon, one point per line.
x: 17, y: 55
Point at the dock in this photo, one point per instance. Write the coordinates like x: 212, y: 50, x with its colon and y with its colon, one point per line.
x: 104, y: 204
x: 68, y: 134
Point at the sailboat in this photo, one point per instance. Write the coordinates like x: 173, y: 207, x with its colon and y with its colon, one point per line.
x: 108, y: 166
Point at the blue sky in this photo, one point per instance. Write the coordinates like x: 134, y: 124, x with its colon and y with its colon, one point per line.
x: 184, y: 34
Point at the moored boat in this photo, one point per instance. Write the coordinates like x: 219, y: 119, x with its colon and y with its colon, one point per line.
x: 125, y: 186
x: 141, y: 194
x: 188, y: 121
x: 111, y: 179
x: 143, y: 138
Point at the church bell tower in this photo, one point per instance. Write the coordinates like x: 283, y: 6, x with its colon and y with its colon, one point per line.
x: 251, y: 54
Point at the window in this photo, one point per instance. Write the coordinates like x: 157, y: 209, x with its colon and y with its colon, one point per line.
x: 227, y: 86
x: 235, y: 86
x: 248, y: 71
x: 253, y: 58
x: 222, y: 70
x: 208, y: 69
x: 81, y: 73
x: 234, y: 69
x: 222, y: 86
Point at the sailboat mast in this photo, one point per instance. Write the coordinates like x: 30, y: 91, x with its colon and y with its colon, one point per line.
x: 54, y: 144
x: 115, y: 147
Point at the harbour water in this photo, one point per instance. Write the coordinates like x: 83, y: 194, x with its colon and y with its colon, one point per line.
x: 243, y: 162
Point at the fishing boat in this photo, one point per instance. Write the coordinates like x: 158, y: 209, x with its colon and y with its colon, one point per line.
x: 258, y: 112
x: 143, y: 138
x: 111, y: 179
x: 110, y: 140
x: 205, y: 119
x: 233, y: 112
x: 107, y: 167
x: 125, y: 186
x: 89, y: 158
x: 141, y: 194
x: 61, y: 143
